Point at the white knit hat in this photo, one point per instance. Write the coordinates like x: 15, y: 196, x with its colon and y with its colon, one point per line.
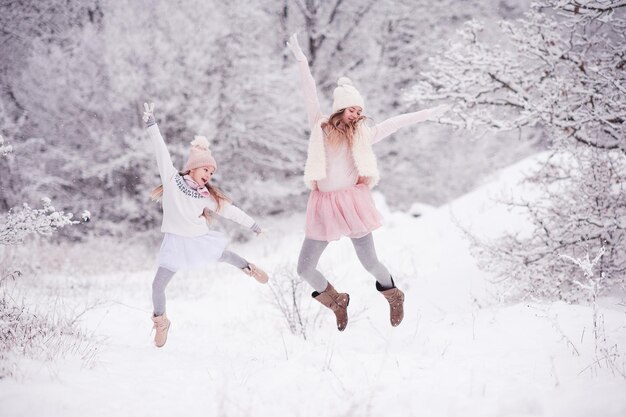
x: 199, y: 155
x: 345, y: 95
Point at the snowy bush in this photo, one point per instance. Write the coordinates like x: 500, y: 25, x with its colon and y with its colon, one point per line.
x: 290, y: 295
x: 561, y: 67
x: 581, y: 212
x: 17, y: 224
x: 40, y: 335
x: 607, y: 352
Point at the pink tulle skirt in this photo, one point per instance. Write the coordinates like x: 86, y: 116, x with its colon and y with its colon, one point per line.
x: 349, y: 212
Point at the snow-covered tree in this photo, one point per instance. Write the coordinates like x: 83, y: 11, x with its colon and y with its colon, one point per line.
x: 560, y: 67
x: 24, y: 21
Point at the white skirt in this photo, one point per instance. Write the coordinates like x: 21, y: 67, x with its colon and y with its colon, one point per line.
x: 181, y: 252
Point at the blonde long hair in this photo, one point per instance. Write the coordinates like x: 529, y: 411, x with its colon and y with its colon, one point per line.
x: 334, y: 124
x: 218, y: 195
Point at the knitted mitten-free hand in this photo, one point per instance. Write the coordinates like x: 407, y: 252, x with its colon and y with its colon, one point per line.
x: 148, y: 114
x: 295, y: 48
x: 256, y: 228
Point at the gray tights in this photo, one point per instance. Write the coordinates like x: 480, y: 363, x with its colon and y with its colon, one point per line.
x: 164, y: 276
x: 312, y: 251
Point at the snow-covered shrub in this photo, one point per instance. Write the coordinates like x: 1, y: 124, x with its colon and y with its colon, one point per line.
x: 17, y: 224
x: 561, y: 67
x: 582, y: 211
x: 607, y: 352
x: 291, y: 296
x: 40, y: 335
x: 25, y: 333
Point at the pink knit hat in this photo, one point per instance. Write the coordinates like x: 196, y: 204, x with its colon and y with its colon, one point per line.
x: 345, y: 95
x: 199, y: 155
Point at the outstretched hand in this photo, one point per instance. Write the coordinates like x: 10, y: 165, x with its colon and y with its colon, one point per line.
x: 256, y: 229
x: 293, y: 44
x: 148, y: 113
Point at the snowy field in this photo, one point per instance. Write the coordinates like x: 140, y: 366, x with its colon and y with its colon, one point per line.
x: 459, y: 352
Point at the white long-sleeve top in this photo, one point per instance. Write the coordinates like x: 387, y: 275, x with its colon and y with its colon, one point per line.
x: 341, y: 171
x: 182, y: 205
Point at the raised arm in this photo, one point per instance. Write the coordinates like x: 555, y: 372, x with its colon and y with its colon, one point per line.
x: 311, y: 100
x: 391, y: 125
x: 164, y: 160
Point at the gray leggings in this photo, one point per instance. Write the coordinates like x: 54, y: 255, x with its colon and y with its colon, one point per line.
x: 164, y: 276
x: 312, y: 251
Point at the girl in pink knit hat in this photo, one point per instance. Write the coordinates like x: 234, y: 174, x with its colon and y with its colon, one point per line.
x: 341, y: 170
x: 189, y: 201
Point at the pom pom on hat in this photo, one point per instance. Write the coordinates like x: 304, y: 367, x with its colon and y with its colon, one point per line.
x: 345, y: 95
x: 199, y: 154
x: 200, y: 142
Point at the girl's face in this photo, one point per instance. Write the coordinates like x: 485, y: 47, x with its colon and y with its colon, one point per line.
x: 351, y: 114
x: 202, y: 175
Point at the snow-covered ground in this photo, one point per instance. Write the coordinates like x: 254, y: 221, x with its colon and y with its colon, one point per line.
x: 459, y: 352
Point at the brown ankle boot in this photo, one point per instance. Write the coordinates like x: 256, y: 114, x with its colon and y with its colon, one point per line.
x: 337, y: 302
x: 395, y: 297
x: 162, y: 326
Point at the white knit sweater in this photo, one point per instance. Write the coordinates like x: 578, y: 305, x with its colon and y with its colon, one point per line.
x: 363, y: 156
x: 182, y: 205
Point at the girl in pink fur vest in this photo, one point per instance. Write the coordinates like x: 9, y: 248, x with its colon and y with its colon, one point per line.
x: 341, y: 170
